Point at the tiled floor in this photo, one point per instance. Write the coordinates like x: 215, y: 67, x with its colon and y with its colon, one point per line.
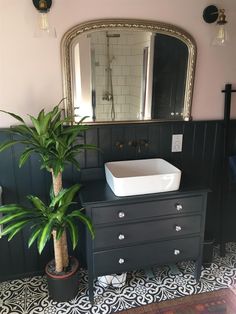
x: 29, y: 296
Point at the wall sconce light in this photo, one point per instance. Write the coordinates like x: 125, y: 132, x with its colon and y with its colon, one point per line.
x: 43, y: 26
x: 212, y: 14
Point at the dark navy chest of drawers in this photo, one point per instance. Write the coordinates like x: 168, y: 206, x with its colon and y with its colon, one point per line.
x: 141, y: 231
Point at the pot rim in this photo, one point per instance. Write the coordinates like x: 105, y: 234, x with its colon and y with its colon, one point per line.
x: 67, y: 275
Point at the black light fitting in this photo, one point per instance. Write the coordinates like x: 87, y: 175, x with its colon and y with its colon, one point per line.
x: 210, y: 14
x: 42, y: 5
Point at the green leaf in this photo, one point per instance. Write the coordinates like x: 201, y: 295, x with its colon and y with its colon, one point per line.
x: 14, y: 232
x: 62, y: 209
x: 12, y: 227
x: 85, y: 219
x: 70, y: 194
x: 75, y: 150
x: 45, y: 123
x: 55, y: 111
x: 23, y: 130
x: 13, y: 115
x: 82, y: 119
x: 49, y: 142
x: 34, y: 235
x: 52, y: 195
x: 37, y: 203
x: 60, y: 102
x: 12, y: 217
x: 61, y: 148
x: 59, y: 233
x: 74, y: 162
x: 57, y: 123
x: 41, y: 115
x: 57, y: 198
x: 57, y: 166
x: 25, y: 155
x: 75, y: 129
x: 11, y: 208
x: 45, y: 236
x: 90, y: 146
x: 36, y: 124
x: 61, y: 142
x: 73, y: 232
x: 7, y: 144
x: 72, y: 139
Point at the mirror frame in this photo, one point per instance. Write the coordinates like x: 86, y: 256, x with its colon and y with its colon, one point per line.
x: 125, y: 24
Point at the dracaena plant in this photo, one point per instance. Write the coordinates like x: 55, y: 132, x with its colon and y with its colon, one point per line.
x: 45, y: 220
x: 55, y: 142
x: 57, y: 145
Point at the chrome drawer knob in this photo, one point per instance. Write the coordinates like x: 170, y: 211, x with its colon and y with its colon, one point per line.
x: 179, y: 207
x: 178, y: 228
x: 176, y: 252
x: 121, y: 236
x: 121, y: 214
x: 121, y: 261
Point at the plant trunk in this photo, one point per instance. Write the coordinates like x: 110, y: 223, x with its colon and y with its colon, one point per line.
x: 56, y: 182
x: 60, y: 245
x: 58, y: 253
x: 65, y: 256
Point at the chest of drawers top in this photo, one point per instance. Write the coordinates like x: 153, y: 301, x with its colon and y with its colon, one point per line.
x: 98, y: 192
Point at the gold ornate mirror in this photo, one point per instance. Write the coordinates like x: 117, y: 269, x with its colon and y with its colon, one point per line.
x: 128, y: 71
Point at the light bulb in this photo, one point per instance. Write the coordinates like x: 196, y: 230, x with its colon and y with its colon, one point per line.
x: 43, y: 22
x: 221, y: 36
x: 44, y: 27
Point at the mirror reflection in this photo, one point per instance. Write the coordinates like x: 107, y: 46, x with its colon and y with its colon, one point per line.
x: 122, y: 74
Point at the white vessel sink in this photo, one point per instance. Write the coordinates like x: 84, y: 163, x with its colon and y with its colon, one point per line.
x: 143, y: 176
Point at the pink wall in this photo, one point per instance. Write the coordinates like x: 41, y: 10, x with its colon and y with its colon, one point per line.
x: 30, y: 71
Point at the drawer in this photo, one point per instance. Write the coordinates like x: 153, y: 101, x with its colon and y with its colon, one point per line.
x: 140, y: 256
x: 148, y: 209
x: 126, y: 234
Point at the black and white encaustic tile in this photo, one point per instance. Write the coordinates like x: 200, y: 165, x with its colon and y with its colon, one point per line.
x: 30, y: 295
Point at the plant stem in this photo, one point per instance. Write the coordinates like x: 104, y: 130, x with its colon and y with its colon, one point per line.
x: 65, y: 256
x: 56, y: 182
x: 60, y: 245
x: 57, y: 253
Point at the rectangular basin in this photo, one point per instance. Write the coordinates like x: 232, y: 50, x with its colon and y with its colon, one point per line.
x: 143, y: 176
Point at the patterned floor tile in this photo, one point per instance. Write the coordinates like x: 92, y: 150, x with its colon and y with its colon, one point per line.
x: 30, y: 295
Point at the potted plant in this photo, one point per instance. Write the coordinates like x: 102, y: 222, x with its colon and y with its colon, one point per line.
x: 57, y: 145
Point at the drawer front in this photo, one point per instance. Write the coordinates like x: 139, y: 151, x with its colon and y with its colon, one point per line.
x: 136, y: 257
x: 122, y: 235
x: 126, y: 212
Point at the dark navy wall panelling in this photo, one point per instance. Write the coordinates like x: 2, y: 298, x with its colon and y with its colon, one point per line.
x: 200, y: 159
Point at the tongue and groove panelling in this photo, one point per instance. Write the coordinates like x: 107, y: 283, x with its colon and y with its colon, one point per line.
x: 200, y: 159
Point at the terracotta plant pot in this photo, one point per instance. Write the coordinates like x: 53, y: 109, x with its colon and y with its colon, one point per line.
x: 63, y: 288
